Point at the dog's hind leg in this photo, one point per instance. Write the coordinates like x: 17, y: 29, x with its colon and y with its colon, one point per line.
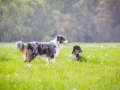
x: 52, y: 57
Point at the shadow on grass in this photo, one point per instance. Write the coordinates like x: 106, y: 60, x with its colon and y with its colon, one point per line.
x: 83, y: 59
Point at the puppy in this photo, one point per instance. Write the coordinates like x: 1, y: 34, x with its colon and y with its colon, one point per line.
x: 75, y: 53
x: 48, y: 50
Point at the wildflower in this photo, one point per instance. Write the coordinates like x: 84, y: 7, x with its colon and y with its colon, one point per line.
x: 16, y: 74
x: 106, y: 55
x: 8, y: 75
x: 88, y: 56
x: 102, y: 46
x: 39, y: 80
x: 28, y: 65
x: 14, y: 85
x: 67, y: 54
x: 74, y: 89
x: 14, y: 48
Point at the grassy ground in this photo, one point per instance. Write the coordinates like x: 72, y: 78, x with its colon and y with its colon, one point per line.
x: 99, y: 69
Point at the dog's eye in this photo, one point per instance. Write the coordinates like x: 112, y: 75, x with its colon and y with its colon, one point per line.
x: 62, y: 38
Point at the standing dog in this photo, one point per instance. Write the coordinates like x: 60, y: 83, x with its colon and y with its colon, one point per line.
x: 75, y: 53
x: 49, y: 50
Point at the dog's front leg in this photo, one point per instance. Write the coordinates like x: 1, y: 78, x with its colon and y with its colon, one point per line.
x: 48, y: 60
x: 53, y: 60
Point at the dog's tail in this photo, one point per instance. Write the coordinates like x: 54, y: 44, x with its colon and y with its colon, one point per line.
x: 20, y: 45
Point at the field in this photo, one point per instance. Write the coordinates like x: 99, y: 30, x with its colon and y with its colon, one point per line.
x: 99, y: 69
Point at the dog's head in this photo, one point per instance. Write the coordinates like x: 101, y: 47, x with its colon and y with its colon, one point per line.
x: 62, y: 40
x: 32, y: 50
x: 77, y: 49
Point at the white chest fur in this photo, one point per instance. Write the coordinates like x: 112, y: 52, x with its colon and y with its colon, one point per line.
x: 58, y: 46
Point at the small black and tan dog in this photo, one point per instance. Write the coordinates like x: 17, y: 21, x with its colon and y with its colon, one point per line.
x: 75, y: 53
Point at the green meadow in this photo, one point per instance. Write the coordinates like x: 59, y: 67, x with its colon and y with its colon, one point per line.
x: 98, y: 69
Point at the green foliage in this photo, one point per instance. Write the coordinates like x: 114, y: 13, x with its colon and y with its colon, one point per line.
x: 98, y: 69
x: 79, y: 20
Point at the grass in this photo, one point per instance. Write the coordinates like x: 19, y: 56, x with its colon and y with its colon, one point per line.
x: 99, y: 69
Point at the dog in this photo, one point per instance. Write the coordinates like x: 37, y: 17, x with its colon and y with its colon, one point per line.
x: 49, y: 50
x: 75, y: 53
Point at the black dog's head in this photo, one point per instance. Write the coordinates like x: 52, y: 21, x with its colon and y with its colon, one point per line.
x: 77, y: 49
x: 32, y: 50
x: 61, y: 39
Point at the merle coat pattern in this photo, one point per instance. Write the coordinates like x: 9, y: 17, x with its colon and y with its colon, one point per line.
x: 49, y: 50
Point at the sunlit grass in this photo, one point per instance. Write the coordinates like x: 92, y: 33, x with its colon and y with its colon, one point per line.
x: 98, y: 69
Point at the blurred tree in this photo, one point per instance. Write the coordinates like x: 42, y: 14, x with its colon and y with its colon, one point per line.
x: 104, y: 20
x: 42, y: 20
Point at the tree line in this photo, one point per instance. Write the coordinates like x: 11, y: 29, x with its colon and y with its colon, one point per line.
x: 42, y: 20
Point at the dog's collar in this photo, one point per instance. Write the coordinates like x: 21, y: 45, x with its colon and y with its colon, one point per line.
x: 74, y: 53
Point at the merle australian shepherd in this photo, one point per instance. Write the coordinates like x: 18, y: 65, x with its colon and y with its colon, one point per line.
x: 49, y: 50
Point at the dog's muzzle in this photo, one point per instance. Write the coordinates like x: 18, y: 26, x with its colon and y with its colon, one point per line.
x: 66, y: 41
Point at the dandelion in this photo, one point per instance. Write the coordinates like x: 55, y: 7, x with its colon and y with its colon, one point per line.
x: 74, y: 89
x: 106, y: 55
x: 14, y: 48
x: 14, y: 85
x: 67, y: 54
x: 102, y: 46
x: 8, y: 75
x: 16, y: 74
x: 28, y: 65
x: 39, y: 80
x: 47, y: 64
x: 88, y: 56
x: 110, y: 46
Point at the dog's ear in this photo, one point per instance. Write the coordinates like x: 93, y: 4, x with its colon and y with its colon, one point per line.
x: 28, y: 46
x: 58, y: 38
x: 80, y: 49
x: 74, y: 48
